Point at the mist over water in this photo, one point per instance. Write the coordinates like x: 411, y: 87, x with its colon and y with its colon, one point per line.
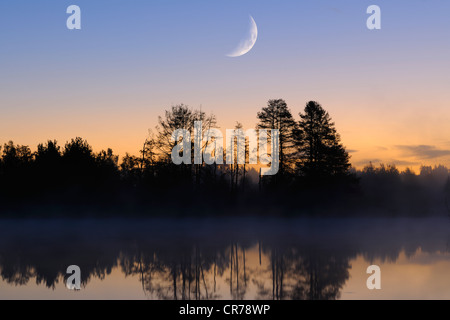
x: 227, y: 258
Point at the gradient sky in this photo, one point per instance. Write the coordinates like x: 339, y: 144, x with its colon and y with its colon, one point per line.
x: 387, y: 90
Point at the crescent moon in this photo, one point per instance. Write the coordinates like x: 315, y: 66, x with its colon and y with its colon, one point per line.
x: 246, y: 44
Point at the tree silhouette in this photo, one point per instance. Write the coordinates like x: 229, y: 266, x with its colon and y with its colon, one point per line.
x: 16, y: 170
x: 78, y: 160
x: 277, y: 116
x: 16, y: 156
x: 48, y: 172
x: 107, y: 170
x: 74, y: 177
x: 130, y: 168
x: 49, y: 153
x: 235, y: 169
x: 87, y: 177
x: 321, y: 153
x: 78, y: 150
x: 181, y: 117
x: 148, y: 157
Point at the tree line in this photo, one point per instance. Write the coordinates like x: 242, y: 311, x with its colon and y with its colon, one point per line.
x: 314, y: 172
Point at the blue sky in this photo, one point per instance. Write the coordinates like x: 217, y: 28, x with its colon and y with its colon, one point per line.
x: 133, y: 59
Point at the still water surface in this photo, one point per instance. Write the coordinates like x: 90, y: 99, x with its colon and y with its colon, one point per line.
x: 226, y: 258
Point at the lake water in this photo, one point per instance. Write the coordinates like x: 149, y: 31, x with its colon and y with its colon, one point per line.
x: 226, y: 258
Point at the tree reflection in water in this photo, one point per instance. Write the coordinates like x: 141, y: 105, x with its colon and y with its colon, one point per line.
x: 194, y: 259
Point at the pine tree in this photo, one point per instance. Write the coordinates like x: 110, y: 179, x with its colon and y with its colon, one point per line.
x: 321, y: 153
x: 277, y: 116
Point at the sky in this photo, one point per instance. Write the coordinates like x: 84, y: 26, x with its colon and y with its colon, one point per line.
x: 387, y: 90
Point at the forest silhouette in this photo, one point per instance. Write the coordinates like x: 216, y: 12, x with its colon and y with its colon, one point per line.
x: 315, y: 176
